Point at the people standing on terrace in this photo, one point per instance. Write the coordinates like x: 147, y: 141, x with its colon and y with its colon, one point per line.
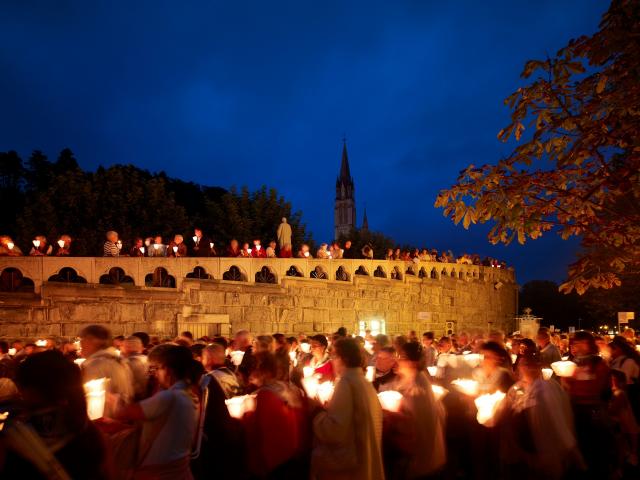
x: 177, y: 248
x: 110, y: 247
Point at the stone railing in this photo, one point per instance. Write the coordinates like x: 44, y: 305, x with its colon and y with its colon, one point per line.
x: 28, y: 274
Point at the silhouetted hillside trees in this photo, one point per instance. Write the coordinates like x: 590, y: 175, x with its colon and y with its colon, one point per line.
x: 41, y: 197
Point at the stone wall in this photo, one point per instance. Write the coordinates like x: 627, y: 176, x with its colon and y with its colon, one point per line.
x: 319, y: 297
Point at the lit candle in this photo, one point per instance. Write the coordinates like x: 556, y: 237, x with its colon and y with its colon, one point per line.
x: 36, y: 243
x: 306, y: 254
x: 41, y: 343
x: 142, y: 250
x: 371, y: 373
x: 308, y: 371
x: 249, y: 250
x: 310, y: 385
x: 211, y: 245
x: 238, y: 406
x: 466, y: 386
x: 175, y: 249
x: 432, y: 371
x: 258, y: 247
x: 368, y: 346
x: 10, y: 245
x: 236, y: 357
x: 638, y: 348
x: 390, y: 400
x: 487, y: 406
x: 564, y: 368
x: 325, y: 391
x: 96, y: 396
x: 514, y: 357
x: 439, y: 392
x: 12, y: 352
x: 79, y: 361
x: 61, y: 243
x: 156, y: 246
x: 293, y: 358
x: 546, y: 373
x: 195, y: 239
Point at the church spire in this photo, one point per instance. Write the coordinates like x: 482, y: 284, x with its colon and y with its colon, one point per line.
x: 345, y: 172
x: 365, y: 221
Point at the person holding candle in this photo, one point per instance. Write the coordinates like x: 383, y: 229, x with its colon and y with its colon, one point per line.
x: 200, y: 244
x: 323, y: 252
x: 138, y: 249
x: 245, y: 251
x: 157, y: 248
x: 103, y: 361
x: 549, y: 353
x: 169, y: 417
x: 320, y: 360
x: 414, y: 437
x: 491, y: 375
x: 385, y: 366
x: 110, y: 247
x: 271, y: 250
x: 63, y: 246
x: 348, y: 435
x: 55, y: 414
x: 8, y: 248
x: 234, y: 249
x: 538, y: 438
x: 214, y: 362
x: 41, y: 247
x: 177, y: 248
x: 304, y: 252
x: 276, y: 434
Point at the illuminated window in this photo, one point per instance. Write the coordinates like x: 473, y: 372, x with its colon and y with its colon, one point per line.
x: 376, y: 325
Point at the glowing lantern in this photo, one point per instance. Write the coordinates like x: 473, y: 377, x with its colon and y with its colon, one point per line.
x: 546, y: 373
x: 439, y: 392
x: 36, y: 243
x: 564, y: 368
x: 371, y: 374
x: 466, y: 386
x: 487, y: 406
x: 96, y: 395
x: 390, y: 400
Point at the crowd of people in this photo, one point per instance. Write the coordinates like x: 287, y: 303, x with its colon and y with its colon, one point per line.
x: 326, y: 406
x: 200, y: 245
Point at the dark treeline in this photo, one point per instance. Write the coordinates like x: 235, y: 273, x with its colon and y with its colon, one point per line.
x: 52, y: 198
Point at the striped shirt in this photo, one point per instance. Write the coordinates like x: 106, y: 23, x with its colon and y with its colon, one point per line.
x: 110, y: 249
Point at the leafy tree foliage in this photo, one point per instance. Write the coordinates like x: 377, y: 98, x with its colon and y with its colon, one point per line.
x: 55, y: 198
x: 578, y: 173
x: 555, y: 308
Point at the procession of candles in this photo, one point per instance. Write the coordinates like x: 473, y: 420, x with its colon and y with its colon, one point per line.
x: 96, y: 395
x: 564, y: 368
x: 547, y: 373
x: 488, y: 405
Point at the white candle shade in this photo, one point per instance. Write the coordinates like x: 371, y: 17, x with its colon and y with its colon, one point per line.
x: 308, y: 371
x: 564, y: 368
x: 371, y: 373
x: 236, y: 357
x: 79, y: 361
x: 547, y: 373
x: 466, y: 386
x: 325, y: 391
x: 514, y: 357
x: 96, y: 395
x: 432, y: 371
x: 487, y: 406
x: 195, y: 239
x: 36, y: 243
x: 61, y: 243
x: 12, y: 352
x: 142, y: 249
x: 175, y: 249
x: 310, y: 385
x: 10, y: 245
x: 41, y: 343
x: 211, y: 245
x: 238, y: 406
x: 439, y: 392
x: 390, y: 400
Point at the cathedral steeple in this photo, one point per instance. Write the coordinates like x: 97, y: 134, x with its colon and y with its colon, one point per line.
x: 345, y: 206
x: 365, y: 221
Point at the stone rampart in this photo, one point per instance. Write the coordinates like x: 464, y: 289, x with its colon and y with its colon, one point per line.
x: 58, y: 295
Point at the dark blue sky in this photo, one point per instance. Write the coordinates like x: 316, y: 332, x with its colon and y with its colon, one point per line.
x: 252, y: 93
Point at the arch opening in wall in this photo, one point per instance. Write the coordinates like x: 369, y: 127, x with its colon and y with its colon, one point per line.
x: 396, y: 274
x: 293, y: 272
x: 199, y: 273
x: 12, y: 280
x: 461, y: 275
x: 341, y: 274
x: 443, y: 273
x: 160, y: 278
x: 379, y: 272
x: 434, y: 273
x: 318, y: 273
x: 453, y: 273
x: 67, y: 275
x: 234, y: 274
x: 362, y: 271
x: 422, y: 273
x: 410, y: 271
x: 265, y: 275
x: 116, y: 276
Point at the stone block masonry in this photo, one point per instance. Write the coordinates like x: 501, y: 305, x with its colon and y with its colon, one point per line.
x: 41, y: 296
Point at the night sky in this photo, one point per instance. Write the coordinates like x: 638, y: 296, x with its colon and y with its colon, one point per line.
x: 252, y: 93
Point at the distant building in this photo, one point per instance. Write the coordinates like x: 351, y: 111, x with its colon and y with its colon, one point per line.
x: 345, y: 207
